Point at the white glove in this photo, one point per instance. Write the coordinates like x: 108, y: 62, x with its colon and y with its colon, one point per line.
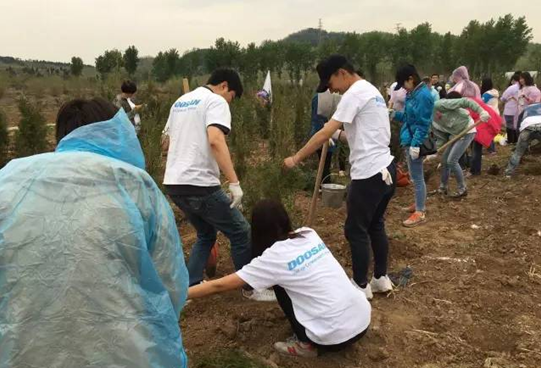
x: 236, y: 194
x: 484, y: 116
x: 336, y: 134
x: 414, y: 152
x: 386, y: 176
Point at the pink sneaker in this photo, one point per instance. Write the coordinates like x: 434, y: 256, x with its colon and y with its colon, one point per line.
x: 417, y: 218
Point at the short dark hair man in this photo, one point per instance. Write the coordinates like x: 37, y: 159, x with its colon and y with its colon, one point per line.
x: 363, y: 113
x: 123, y: 100
x: 437, y: 85
x: 197, y: 127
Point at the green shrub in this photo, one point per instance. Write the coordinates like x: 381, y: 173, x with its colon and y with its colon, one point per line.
x: 153, y: 119
x: 244, y: 136
x: 268, y: 180
x: 4, y: 139
x: 31, y: 138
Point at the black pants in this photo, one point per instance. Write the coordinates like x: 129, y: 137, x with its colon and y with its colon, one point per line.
x: 512, y: 136
x: 326, y: 178
x: 477, y: 158
x: 287, y: 307
x: 365, y: 224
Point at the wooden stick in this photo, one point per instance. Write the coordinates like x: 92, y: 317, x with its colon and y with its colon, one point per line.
x: 461, y: 135
x: 185, y: 85
x: 315, y: 195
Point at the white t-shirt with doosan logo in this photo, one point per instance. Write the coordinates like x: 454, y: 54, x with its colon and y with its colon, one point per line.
x: 325, y: 302
x: 190, y: 160
x: 368, y: 129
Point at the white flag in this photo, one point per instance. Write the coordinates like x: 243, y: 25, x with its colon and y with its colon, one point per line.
x: 267, y: 86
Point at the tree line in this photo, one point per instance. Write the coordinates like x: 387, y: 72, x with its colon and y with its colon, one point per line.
x: 486, y: 48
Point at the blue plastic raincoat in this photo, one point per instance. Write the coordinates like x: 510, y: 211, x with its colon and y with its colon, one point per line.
x: 416, y: 117
x: 92, y: 272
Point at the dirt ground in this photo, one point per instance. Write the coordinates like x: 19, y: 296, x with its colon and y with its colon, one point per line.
x: 474, y: 299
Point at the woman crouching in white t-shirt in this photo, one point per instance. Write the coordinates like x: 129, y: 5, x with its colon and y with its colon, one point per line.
x: 325, y: 310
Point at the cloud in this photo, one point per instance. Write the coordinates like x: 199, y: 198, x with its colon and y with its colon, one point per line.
x: 59, y: 29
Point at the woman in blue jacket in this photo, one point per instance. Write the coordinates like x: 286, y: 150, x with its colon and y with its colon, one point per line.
x: 416, y: 120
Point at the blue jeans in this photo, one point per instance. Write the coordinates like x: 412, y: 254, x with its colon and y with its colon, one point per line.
x: 417, y: 175
x: 524, y: 139
x: 208, y: 215
x: 449, y: 162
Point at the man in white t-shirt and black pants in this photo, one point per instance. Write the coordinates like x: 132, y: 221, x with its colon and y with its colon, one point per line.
x: 197, y: 127
x: 364, y: 116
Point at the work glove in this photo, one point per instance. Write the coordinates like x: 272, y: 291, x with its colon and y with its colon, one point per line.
x: 484, y: 116
x: 386, y: 176
x: 236, y: 194
x: 414, y: 152
x: 336, y: 134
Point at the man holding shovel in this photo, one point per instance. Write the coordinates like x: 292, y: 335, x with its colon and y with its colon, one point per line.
x: 364, y: 115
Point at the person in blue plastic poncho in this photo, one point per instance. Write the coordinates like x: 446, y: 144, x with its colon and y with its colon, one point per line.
x: 92, y: 272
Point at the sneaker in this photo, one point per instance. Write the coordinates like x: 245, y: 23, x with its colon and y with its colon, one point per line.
x: 417, y: 218
x: 460, y: 194
x: 409, y: 209
x: 367, y: 290
x: 266, y: 295
x: 293, y: 347
x: 381, y: 285
x: 439, y: 191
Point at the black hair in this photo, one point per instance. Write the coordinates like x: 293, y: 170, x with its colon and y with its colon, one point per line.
x: 348, y: 67
x: 128, y: 87
x: 486, y: 85
x: 80, y: 112
x: 270, y: 223
x: 453, y: 95
x: 435, y: 74
x: 416, y: 79
x: 515, y: 77
x: 528, y: 79
x: 227, y: 75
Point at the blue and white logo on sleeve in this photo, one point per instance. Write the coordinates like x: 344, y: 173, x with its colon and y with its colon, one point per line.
x: 308, y: 258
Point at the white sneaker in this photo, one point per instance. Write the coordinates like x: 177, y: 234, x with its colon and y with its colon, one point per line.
x: 381, y: 285
x: 293, y: 347
x: 367, y: 290
x: 266, y: 295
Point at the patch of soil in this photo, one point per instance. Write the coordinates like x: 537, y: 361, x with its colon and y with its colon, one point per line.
x: 474, y: 299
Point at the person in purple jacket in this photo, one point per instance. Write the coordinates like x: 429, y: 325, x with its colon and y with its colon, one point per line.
x: 510, y: 99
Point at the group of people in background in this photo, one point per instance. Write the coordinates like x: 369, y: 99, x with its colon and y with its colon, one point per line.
x: 90, y: 249
x: 428, y: 110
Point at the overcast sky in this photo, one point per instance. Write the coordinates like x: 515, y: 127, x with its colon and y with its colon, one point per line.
x: 59, y: 29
